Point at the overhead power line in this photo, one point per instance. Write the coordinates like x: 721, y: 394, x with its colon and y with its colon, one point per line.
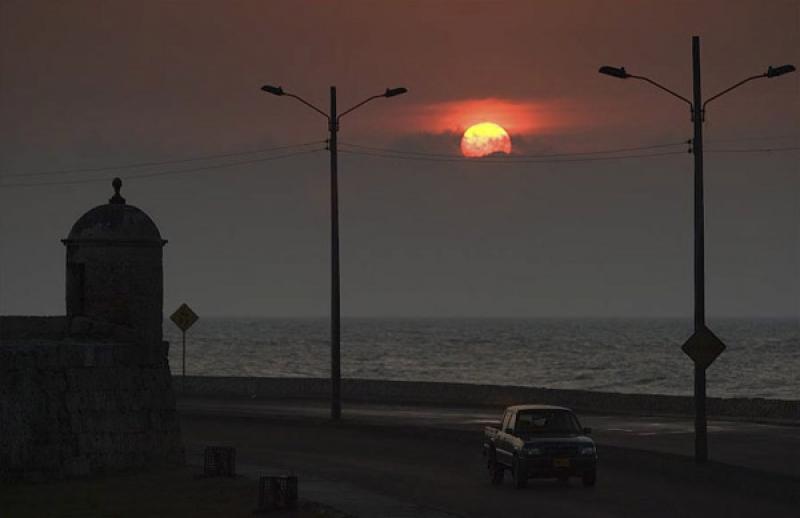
x: 135, y: 165
x: 490, y: 160
x: 752, y: 138
x: 168, y: 172
x: 523, y: 156
x: 754, y: 150
x: 385, y: 153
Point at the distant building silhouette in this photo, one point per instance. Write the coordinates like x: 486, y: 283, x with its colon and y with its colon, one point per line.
x: 92, y: 391
x: 114, y: 268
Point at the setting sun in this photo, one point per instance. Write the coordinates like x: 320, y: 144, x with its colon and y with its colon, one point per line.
x: 485, y: 139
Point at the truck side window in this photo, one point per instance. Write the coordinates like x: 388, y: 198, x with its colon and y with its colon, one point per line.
x: 513, y: 421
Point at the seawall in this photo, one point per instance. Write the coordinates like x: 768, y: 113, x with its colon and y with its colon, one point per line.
x: 79, y: 399
x: 468, y: 395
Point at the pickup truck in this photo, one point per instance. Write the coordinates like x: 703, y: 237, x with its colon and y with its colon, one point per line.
x: 540, y: 441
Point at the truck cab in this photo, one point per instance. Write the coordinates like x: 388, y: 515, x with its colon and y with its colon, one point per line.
x: 540, y: 441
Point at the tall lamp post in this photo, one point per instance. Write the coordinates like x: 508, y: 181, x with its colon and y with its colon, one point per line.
x: 703, y: 346
x: 333, y: 128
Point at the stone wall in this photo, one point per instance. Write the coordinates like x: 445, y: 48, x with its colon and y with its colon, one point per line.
x: 79, y: 399
x: 496, y: 396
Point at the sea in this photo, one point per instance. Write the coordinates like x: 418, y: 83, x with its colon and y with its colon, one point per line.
x: 643, y: 356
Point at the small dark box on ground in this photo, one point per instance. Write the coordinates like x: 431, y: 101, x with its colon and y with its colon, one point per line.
x: 277, y: 492
x: 220, y: 461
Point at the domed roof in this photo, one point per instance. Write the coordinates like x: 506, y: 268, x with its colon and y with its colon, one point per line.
x: 115, y: 221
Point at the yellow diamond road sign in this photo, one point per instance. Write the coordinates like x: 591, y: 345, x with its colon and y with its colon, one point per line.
x: 184, y: 317
x: 703, y: 347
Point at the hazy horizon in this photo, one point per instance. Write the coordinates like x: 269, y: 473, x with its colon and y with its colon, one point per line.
x: 496, y: 317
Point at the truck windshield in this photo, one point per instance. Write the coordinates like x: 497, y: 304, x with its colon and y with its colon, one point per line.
x: 531, y: 422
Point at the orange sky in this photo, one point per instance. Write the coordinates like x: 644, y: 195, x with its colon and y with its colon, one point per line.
x: 92, y: 82
x: 517, y: 117
x: 121, y: 68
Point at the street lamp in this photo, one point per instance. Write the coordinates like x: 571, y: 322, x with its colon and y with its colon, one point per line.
x: 703, y: 346
x: 333, y: 128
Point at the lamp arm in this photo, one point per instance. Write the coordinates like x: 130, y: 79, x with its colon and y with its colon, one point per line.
x: 737, y: 85
x: 661, y: 87
x: 365, y: 101
x: 309, y: 105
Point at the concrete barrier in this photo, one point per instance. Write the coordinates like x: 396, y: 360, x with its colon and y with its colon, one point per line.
x: 468, y: 395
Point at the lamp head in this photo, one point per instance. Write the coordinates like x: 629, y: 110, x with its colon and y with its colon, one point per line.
x: 614, y: 72
x: 391, y: 92
x: 274, y: 90
x: 779, y: 71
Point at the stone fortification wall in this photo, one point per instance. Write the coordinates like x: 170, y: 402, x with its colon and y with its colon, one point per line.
x: 20, y: 328
x: 467, y: 395
x: 77, y: 398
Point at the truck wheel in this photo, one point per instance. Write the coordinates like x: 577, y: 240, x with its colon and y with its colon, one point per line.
x: 589, y: 478
x: 495, y: 469
x: 520, y: 473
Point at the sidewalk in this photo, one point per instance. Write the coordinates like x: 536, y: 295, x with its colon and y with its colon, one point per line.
x: 763, y: 447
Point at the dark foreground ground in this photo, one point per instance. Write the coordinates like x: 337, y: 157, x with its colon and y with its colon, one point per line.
x: 173, y: 493
x: 439, y: 470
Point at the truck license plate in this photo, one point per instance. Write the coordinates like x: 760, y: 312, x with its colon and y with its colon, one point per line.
x: 560, y: 463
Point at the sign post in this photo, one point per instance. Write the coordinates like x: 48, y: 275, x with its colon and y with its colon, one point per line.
x: 702, y: 347
x: 184, y: 318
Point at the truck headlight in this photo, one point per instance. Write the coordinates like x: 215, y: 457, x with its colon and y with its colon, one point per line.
x: 587, y: 450
x: 532, y: 451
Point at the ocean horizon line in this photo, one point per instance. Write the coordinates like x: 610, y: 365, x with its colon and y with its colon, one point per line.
x: 503, y: 317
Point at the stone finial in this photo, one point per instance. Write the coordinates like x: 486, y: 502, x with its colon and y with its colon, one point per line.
x: 117, y: 184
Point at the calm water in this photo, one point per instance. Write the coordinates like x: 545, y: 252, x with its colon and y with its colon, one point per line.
x: 640, y: 356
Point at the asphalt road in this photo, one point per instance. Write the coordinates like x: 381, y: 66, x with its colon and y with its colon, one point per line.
x: 440, y: 469
x: 764, y: 447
